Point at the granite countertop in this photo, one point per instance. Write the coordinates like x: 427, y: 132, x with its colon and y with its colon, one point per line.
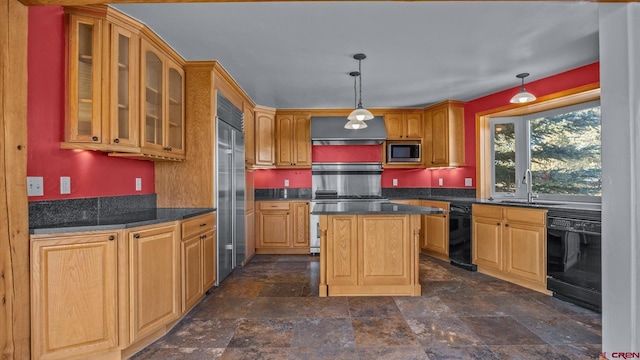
x: 538, y: 204
x: 280, y: 198
x: 121, y: 221
x: 372, y: 208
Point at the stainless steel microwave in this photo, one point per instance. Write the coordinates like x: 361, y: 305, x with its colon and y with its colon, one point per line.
x: 404, y: 151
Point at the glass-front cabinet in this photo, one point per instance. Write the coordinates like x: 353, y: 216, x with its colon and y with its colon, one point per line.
x: 123, y: 102
x: 85, y: 66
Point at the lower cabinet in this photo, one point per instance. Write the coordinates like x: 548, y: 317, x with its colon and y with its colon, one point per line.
x: 510, y: 243
x: 198, y: 258
x: 74, y: 295
x: 435, y: 230
x: 282, y: 227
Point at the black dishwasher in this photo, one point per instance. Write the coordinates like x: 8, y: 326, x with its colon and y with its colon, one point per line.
x: 460, y: 236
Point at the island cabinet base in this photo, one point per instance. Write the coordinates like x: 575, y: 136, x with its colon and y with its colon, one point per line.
x: 369, y: 255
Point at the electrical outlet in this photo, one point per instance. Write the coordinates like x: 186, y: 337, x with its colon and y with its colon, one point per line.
x: 468, y: 182
x: 65, y: 185
x: 286, y: 182
x: 35, y: 186
x: 440, y: 182
x: 138, y: 184
x: 395, y: 182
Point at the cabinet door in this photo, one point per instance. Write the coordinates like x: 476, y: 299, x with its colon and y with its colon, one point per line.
x: 85, y: 80
x: 250, y: 233
x: 284, y: 140
x: 301, y: 224
x: 525, y: 251
x: 342, y: 250
x: 265, y: 147
x: 413, y: 126
x: 487, y: 242
x: 437, y: 233
x: 152, y: 94
x: 73, y: 295
x: 249, y: 136
x: 209, y: 259
x: 302, y: 140
x: 192, y: 272
x: 174, y: 120
x: 384, y: 249
x: 394, y: 124
x: 275, y: 229
x: 439, y: 137
x: 154, y: 268
x: 123, y: 113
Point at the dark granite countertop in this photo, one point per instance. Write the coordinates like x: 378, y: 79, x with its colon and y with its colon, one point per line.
x: 121, y: 221
x: 538, y: 204
x: 288, y: 198
x: 371, y: 208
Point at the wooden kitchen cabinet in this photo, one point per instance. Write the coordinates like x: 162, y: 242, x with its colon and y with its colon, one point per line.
x: 249, y: 135
x: 293, y: 140
x: 265, y: 137
x: 342, y: 250
x: 406, y: 125
x: 435, y: 230
x: 198, y: 258
x: 444, y: 134
x: 510, y: 243
x: 250, y: 217
x: 74, y: 312
x: 282, y: 227
x: 153, y: 267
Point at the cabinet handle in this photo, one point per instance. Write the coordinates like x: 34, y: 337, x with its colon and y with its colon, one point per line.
x: 95, y: 138
x: 498, y: 224
x: 204, y: 236
x: 111, y: 237
x: 137, y: 236
x: 116, y: 141
x: 506, y: 225
x: 170, y: 148
x: 203, y: 224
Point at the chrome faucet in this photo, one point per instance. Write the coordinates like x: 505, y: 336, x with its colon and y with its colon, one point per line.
x: 527, y: 180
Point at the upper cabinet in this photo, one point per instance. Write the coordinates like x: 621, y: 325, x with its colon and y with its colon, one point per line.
x: 293, y: 140
x: 444, y: 134
x: 264, y: 137
x: 405, y: 125
x: 125, y: 87
x: 249, y: 135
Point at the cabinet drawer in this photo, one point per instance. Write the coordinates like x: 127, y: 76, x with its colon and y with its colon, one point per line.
x: 439, y: 204
x: 530, y: 216
x: 487, y: 211
x: 275, y: 205
x: 198, y: 225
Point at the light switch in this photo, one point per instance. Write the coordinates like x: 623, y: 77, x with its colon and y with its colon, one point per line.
x: 65, y: 185
x: 138, y: 184
x: 395, y: 182
x: 35, y: 186
x: 286, y: 182
x: 440, y: 182
x: 468, y: 182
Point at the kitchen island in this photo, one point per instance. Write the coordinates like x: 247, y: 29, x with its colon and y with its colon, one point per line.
x: 370, y: 248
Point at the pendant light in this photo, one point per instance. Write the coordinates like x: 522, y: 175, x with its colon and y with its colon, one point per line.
x: 355, y: 124
x: 523, y: 96
x: 360, y: 113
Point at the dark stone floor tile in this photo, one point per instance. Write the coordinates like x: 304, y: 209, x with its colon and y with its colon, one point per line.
x: 311, y: 290
x: 590, y: 322
x: 264, y: 258
x: 320, y: 333
x: 273, y: 307
x: 431, y: 288
x: 282, y: 289
x: 326, y: 307
x: 370, y: 332
x: 528, y: 352
x: 519, y: 306
x: 303, y: 258
x: 255, y: 354
x: 221, y: 308
x: 263, y: 333
x: 460, y: 353
x: 559, y: 330
x: 566, y: 308
x: 473, y: 305
x: 154, y: 353
x: 373, y: 306
x: 291, y: 265
x: 194, y: 333
x: 239, y: 289
x: 277, y: 275
x: 392, y: 353
x: 501, y: 330
x: 431, y: 306
x: 580, y: 351
x: 435, y: 273
x: 323, y: 353
x: 442, y: 331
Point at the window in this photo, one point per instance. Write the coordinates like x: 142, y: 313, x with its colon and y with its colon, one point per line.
x: 560, y: 148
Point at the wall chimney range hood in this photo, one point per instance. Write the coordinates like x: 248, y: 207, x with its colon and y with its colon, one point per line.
x: 329, y: 130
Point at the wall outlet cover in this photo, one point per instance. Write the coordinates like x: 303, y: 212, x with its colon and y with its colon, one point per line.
x: 395, y: 182
x: 35, y: 186
x: 138, y: 184
x: 440, y: 182
x: 468, y: 182
x: 286, y: 182
x: 65, y: 185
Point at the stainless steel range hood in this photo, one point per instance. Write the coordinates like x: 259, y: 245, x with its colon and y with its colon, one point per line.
x: 329, y: 130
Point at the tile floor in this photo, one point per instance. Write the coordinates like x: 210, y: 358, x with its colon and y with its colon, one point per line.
x: 270, y: 309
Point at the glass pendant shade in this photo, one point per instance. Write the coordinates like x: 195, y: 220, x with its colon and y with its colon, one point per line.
x: 360, y: 114
x: 522, y: 97
x: 355, y: 124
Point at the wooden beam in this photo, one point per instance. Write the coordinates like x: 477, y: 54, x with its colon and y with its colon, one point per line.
x: 92, y: 2
x: 14, y: 222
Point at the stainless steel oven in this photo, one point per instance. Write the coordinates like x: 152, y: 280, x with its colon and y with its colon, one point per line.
x: 574, y: 266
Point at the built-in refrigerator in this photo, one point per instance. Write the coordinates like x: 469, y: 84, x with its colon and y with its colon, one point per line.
x: 230, y: 185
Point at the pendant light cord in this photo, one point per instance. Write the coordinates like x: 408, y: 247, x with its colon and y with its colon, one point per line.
x: 360, y: 76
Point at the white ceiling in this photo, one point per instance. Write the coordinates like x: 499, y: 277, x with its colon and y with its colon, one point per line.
x: 299, y: 54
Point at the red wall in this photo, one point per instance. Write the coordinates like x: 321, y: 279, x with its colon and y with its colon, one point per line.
x: 92, y: 173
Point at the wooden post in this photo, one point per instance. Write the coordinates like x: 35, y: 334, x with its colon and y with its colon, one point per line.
x: 323, y: 256
x: 14, y: 217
